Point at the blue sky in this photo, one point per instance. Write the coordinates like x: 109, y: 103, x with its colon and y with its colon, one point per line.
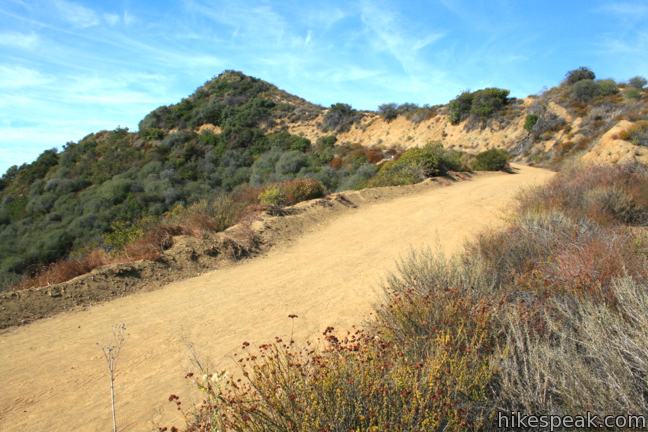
x: 71, y: 67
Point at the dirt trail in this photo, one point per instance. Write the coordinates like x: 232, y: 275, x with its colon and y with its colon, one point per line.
x: 53, y: 375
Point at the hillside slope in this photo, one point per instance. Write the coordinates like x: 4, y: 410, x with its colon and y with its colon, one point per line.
x: 237, y: 137
x: 592, y: 131
x: 54, y: 374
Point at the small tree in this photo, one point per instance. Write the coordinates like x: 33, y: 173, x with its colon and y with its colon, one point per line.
x: 638, y: 82
x: 111, y: 353
x: 388, y: 111
x: 339, y: 118
x: 459, y: 107
x: 582, y: 73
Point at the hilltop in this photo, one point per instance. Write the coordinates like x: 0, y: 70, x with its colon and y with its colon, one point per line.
x: 241, y: 144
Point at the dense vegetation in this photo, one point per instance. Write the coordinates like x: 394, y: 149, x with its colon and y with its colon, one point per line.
x: 410, y: 111
x: 417, y: 164
x: 70, y: 202
x: 117, y: 195
x: 547, y: 316
x: 491, y: 160
x: 480, y: 104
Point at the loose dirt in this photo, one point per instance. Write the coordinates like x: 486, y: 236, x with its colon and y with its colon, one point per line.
x: 52, y: 372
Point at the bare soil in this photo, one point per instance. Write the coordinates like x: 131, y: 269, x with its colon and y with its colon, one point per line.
x: 327, y: 266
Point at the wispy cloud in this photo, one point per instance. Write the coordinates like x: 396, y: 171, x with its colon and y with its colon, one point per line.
x: 386, y: 33
x: 326, y: 17
x: 26, y: 41
x: 613, y: 44
x: 83, y: 17
x: 625, y: 9
x: 112, y: 19
x: 14, y: 77
x: 260, y: 23
x: 76, y: 14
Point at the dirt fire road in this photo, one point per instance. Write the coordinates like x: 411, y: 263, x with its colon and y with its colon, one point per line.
x: 52, y: 372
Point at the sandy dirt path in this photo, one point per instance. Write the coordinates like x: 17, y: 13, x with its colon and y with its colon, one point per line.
x: 52, y: 372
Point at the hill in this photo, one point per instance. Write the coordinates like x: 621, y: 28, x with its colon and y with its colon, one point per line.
x: 238, y: 142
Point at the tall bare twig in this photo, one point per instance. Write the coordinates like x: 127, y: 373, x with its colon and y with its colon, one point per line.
x: 111, y: 353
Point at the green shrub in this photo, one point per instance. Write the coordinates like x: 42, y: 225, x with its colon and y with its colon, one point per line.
x: 637, y: 134
x: 339, y: 118
x: 427, y: 158
x: 637, y: 82
x: 272, y: 196
x: 607, y: 87
x: 291, y: 192
x: 491, y: 160
x: 286, y: 141
x: 487, y: 101
x: 416, y: 164
x: 121, y: 234
x: 151, y: 134
x: 326, y: 141
x: 582, y: 73
x: 302, y: 189
x: 393, y: 173
x: 632, y: 93
x: 459, y: 107
x: 388, y: 111
x: 481, y: 104
x: 530, y: 121
x: 359, y: 179
x: 291, y: 162
x: 8, y: 280
x: 585, y: 90
x: 214, y: 214
x: 410, y: 111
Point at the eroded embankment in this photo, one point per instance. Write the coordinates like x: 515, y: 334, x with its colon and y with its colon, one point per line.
x: 190, y: 256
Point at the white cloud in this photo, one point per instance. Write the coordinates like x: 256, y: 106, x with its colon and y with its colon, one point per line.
x: 76, y: 14
x: 26, y: 41
x: 15, y: 77
x: 111, y: 19
x: 630, y: 10
x: 635, y: 44
x: 261, y: 24
x: 388, y: 34
x: 324, y: 17
x: 352, y: 73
